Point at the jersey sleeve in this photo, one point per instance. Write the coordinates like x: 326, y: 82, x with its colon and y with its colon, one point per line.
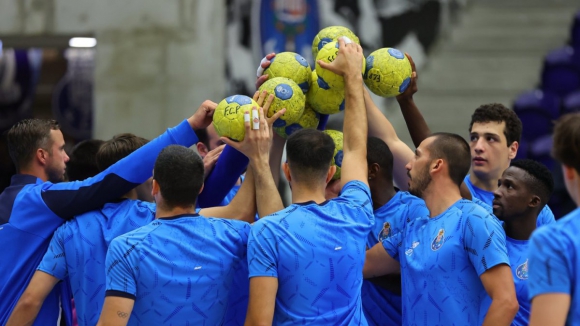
x: 359, y: 195
x: 68, y: 199
x: 393, y: 244
x: 54, y: 260
x: 230, y: 165
x: 262, y: 252
x: 549, y: 268
x: 121, y: 281
x: 484, y: 241
x: 546, y: 217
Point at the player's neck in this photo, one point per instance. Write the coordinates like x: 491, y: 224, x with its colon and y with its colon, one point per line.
x: 131, y: 194
x: 302, y: 193
x: 439, y: 198
x: 35, y: 171
x: 487, y: 184
x: 521, y: 228
x: 163, y: 211
x: 382, y: 197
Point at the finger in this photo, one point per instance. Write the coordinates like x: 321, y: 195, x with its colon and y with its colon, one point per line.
x: 210, y: 105
x: 325, y: 65
x: 262, y: 79
x: 265, y: 64
x: 255, y: 119
x: 256, y: 95
x: 263, y: 121
x: 359, y: 48
x: 268, y: 103
x: 270, y: 56
x: 229, y: 142
x: 341, y: 43
x: 412, y: 62
x: 276, y: 116
x: 217, y: 150
x: 263, y: 95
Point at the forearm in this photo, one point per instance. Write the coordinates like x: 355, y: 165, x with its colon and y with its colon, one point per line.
x: 378, y: 125
x: 268, y: 198
x: 276, y: 154
x: 355, y: 124
x: 415, y: 121
x: 25, y: 312
x: 500, y: 313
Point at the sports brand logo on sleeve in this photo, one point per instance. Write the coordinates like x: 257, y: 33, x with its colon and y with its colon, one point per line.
x: 385, y: 232
x: 522, y: 271
x: 438, y: 241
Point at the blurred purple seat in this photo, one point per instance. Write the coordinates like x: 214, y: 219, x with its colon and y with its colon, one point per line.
x: 523, y: 149
x: 560, y: 74
x: 575, y: 35
x: 540, y: 151
x: 571, y: 102
x: 535, y: 123
x: 540, y: 100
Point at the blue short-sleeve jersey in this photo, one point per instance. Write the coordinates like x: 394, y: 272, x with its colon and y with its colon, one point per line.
x: 178, y: 270
x: 441, y: 261
x: 546, y: 216
x: 554, y: 262
x: 381, y: 306
x: 79, y: 247
x: 38, y: 208
x: 317, y: 252
x: 518, y: 254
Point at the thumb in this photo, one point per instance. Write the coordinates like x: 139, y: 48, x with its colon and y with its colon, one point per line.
x: 325, y: 65
x: 230, y: 142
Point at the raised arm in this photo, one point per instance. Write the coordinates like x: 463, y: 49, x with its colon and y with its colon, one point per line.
x: 381, y: 127
x: 416, y: 124
x: 348, y: 63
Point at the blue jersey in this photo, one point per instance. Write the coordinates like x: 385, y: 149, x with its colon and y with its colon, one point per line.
x: 518, y: 254
x: 546, y: 216
x: 317, y: 252
x: 442, y: 259
x: 79, y: 247
x: 178, y: 270
x: 38, y: 208
x: 381, y: 306
x: 554, y: 262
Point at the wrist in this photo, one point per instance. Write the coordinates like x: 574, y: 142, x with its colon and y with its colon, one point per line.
x: 405, y: 100
x: 259, y: 163
x: 353, y: 76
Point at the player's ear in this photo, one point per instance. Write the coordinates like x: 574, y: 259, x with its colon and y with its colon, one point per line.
x: 568, y: 172
x: 201, y: 149
x: 154, y: 188
x: 330, y: 173
x: 513, y: 148
x: 374, y: 170
x: 535, y: 201
x: 436, y: 165
x: 286, y: 171
x: 41, y: 156
x: 200, y: 190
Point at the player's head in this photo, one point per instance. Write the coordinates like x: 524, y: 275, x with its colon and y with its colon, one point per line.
x: 380, y: 162
x: 82, y: 163
x: 38, y: 145
x: 525, y: 187
x: 495, y: 133
x: 442, y: 155
x: 117, y: 148
x: 309, y: 154
x: 177, y: 177
x: 566, y: 150
x: 208, y: 140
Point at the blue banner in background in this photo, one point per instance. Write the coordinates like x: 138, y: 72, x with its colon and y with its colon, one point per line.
x: 287, y: 25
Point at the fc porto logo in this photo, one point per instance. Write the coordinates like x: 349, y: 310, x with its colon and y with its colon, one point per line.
x: 385, y: 232
x: 438, y: 241
x: 522, y: 271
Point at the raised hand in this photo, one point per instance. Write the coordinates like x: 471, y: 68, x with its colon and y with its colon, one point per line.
x: 349, y: 59
x: 412, y: 88
x: 203, y: 116
x: 264, y: 64
x: 210, y: 159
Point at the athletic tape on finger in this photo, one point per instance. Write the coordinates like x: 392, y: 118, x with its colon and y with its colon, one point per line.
x: 255, y: 120
x: 345, y: 39
x: 260, y: 69
x: 246, y: 116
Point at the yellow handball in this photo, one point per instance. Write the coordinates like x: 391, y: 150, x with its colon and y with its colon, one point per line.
x: 288, y: 95
x: 338, y: 144
x: 330, y: 34
x: 388, y: 72
x: 290, y: 65
x: 327, y: 54
x: 309, y: 120
x: 228, y: 118
x: 324, y: 99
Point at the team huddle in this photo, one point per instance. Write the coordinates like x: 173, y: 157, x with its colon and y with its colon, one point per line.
x: 441, y: 235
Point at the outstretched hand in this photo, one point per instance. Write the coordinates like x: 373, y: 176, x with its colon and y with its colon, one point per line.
x: 203, y: 116
x: 412, y: 88
x: 264, y: 64
x: 349, y: 59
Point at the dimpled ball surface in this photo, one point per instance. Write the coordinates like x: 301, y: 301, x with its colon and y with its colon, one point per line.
x: 309, y: 120
x: 327, y: 54
x: 290, y: 65
x: 330, y: 34
x: 337, y: 158
x: 324, y: 99
x: 388, y: 72
x: 287, y: 94
x: 228, y: 118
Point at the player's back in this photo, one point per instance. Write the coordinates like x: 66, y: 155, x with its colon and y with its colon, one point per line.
x: 79, y: 247
x: 317, y: 252
x: 178, y: 270
x: 554, y: 262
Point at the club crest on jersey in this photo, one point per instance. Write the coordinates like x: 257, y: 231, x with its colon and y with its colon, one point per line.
x: 438, y: 241
x: 385, y: 232
x: 522, y: 271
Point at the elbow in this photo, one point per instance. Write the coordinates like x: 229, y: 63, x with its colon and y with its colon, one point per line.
x: 510, y: 304
x: 29, y: 302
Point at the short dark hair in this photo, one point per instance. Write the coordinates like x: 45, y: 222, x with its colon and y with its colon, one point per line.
x: 496, y: 112
x: 540, y: 178
x: 379, y: 152
x: 83, y: 160
x: 179, y: 172
x: 309, y: 153
x: 203, y: 137
x: 566, y: 148
x: 117, y: 148
x: 26, y: 136
x: 454, y: 149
